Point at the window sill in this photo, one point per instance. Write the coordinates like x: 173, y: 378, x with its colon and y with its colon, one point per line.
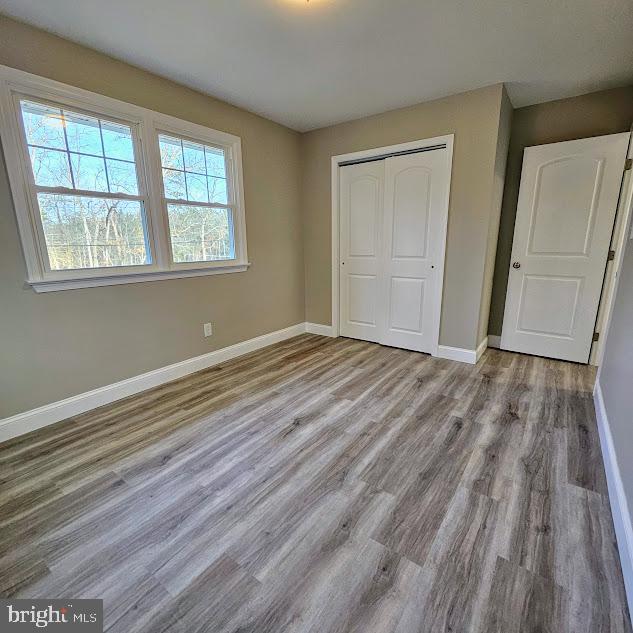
x: 133, y: 278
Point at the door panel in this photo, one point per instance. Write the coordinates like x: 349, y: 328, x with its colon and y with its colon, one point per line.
x: 565, y: 213
x: 407, y: 302
x: 365, y: 206
x: 416, y: 196
x: 361, y: 204
x: 538, y: 291
x: 566, y: 197
x: 411, y: 209
x: 363, y: 294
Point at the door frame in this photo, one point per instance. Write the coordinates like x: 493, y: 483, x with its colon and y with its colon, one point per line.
x: 376, y: 152
x: 622, y: 233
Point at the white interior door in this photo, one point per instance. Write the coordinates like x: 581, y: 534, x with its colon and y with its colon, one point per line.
x: 416, y: 191
x: 393, y: 215
x: 567, y: 204
x: 361, y: 190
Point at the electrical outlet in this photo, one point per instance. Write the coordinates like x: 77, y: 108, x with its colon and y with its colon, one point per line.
x: 208, y: 329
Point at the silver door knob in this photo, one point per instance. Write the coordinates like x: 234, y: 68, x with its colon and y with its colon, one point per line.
x: 516, y: 265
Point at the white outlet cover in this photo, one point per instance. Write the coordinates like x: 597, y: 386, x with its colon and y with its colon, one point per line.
x: 208, y: 329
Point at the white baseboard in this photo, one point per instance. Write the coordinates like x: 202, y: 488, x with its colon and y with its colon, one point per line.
x: 494, y: 341
x: 462, y: 354
x: 317, y: 328
x: 617, y: 496
x: 49, y: 414
x: 481, y: 348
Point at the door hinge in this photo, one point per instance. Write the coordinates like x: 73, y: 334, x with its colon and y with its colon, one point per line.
x: 628, y: 164
x: 611, y: 256
x: 596, y: 336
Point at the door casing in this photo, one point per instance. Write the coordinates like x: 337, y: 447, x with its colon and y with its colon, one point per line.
x: 621, y: 235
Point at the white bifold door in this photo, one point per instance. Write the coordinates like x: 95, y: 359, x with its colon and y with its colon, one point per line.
x: 393, y: 216
x: 565, y: 214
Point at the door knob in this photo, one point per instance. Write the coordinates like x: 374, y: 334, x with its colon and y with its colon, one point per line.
x: 516, y: 265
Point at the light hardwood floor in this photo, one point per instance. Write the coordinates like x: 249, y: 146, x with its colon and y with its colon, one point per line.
x: 325, y: 485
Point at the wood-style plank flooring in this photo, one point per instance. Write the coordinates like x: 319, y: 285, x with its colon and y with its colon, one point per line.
x: 325, y: 485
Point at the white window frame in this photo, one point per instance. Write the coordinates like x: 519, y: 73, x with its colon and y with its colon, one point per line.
x: 233, y: 175
x: 146, y: 126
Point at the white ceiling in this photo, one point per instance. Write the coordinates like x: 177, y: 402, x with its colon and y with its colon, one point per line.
x: 310, y: 64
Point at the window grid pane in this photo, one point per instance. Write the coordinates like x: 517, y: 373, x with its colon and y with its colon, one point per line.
x: 42, y: 125
x: 117, y: 144
x: 80, y: 138
x: 193, y: 154
x: 50, y: 167
x: 121, y: 176
x: 88, y: 172
x: 202, y: 167
x: 197, y: 189
x: 82, y: 134
x: 174, y: 183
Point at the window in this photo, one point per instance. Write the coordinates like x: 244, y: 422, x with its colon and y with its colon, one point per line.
x: 87, y: 190
x: 197, y: 197
x: 106, y: 192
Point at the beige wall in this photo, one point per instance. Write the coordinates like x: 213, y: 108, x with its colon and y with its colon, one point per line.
x: 474, y: 119
x: 616, y: 378
x: 62, y: 343
x: 501, y: 156
x: 605, y: 112
x: 616, y: 373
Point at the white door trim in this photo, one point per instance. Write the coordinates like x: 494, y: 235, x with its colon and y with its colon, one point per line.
x: 621, y: 235
x: 447, y: 140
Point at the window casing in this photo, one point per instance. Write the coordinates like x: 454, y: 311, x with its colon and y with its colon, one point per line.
x: 75, y: 190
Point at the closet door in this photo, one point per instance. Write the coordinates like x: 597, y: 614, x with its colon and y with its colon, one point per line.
x: 414, y: 229
x: 361, y: 245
